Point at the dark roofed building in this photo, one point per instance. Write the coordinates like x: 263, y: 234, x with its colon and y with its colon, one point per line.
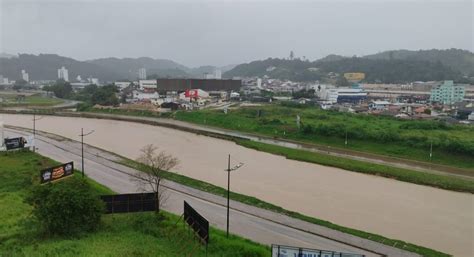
x: 204, y: 84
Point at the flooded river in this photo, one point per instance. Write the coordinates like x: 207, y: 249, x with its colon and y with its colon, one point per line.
x: 434, y: 218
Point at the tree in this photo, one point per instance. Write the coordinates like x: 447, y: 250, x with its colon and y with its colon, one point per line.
x: 62, y: 89
x: 69, y: 207
x: 19, y: 84
x: 156, y: 164
x: 342, y: 82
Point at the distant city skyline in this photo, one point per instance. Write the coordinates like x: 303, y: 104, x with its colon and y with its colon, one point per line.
x: 231, y: 32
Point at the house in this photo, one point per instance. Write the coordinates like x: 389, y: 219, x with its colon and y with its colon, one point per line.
x: 379, y: 105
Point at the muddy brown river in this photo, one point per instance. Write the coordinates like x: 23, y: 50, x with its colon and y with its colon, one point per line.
x: 435, y: 218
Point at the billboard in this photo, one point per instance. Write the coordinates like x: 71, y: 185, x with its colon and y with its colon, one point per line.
x: 354, y: 76
x: 15, y: 143
x: 290, y: 251
x: 56, y: 172
x: 197, y: 222
x: 124, y: 203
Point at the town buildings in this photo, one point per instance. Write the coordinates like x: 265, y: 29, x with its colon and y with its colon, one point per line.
x: 447, y: 93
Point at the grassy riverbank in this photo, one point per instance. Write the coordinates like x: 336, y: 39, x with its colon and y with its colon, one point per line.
x: 11, y: 100
x: 453, y: 145
x: 139, y: 234
x: 207, y: 187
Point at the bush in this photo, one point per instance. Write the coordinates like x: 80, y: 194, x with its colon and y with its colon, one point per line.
x: 67, y: 207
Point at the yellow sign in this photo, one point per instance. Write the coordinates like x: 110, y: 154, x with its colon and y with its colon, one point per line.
x: 354, y: 76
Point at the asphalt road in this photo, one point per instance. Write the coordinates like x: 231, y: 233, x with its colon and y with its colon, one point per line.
x: 100, y: 167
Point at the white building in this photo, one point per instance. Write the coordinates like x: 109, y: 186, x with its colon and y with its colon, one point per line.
x: 25, y: 76
x: 471, y: 116
x: 142, y: 73
x: 145, y: 96
x: 122, y: 85
x: 379, y: 105
x: 3, y: 80
x: 259, y: 83
x: 218, y: 74
x: 147, y: 84
x: 94, y: 81
x: 63, y: 74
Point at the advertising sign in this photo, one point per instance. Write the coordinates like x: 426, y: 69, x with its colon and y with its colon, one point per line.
x: 124, y: 203
x: 289, y: 251
x: 57, y: 172
x: 192, y: 93
x: 197, y: 222
x: 15, y: 143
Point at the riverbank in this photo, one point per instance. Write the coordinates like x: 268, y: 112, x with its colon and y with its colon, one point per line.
x: 383, y: 202
x: 138, y: 234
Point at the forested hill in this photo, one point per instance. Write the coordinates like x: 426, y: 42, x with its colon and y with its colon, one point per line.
x: 457, y: 59
x: 45, y: 67
x: 388, y: 67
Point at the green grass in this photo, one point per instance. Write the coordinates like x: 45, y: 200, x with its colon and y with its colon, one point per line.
x: 138, y: 234
x: 32, y: 100
x: 453, y: 145
x: 204, y: 186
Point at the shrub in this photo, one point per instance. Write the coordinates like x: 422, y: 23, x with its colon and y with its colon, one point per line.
x: 67, y: 207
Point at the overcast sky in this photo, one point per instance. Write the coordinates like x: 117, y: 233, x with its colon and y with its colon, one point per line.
x: 203, y: 32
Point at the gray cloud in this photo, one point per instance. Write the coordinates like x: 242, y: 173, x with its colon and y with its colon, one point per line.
x: 223, y: 32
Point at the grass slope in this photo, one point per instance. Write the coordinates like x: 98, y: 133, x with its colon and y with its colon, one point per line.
x: 32, y: 100
x: 139, y: 234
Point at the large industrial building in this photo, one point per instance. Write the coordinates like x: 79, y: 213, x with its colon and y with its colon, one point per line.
x: 204, y: 84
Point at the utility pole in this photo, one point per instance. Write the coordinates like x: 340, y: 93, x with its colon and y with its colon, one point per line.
x: 431, y: 150
x: 345, y: 142
x: 34, y: 131
x: 82, y: 135
x: 229, y: 169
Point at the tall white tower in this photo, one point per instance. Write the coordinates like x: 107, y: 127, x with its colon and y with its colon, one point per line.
x: 63, y: 74
x: 25, y: 76
x: 142, y: 73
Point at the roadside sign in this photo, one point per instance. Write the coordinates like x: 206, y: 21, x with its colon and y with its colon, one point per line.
x: 125, y: 203
x: 197, y: 222
x: 15, y: 143
x: 56, y: 172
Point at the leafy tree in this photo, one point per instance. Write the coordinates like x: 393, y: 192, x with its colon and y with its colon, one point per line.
x: 93, y: 94
x: 19, y: 84
x: 61, y: 89
x: 342, y: 82
x: 66, y: 208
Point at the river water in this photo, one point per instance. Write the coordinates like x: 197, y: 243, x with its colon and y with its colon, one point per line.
x: 435, y: 218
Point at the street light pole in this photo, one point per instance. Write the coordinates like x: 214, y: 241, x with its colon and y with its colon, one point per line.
x: 228, y: 193
x: 229, y: 169
x: 82, y: 135
x: 34, y: 130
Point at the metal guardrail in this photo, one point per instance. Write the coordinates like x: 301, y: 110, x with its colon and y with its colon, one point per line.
x: 291, y: 251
